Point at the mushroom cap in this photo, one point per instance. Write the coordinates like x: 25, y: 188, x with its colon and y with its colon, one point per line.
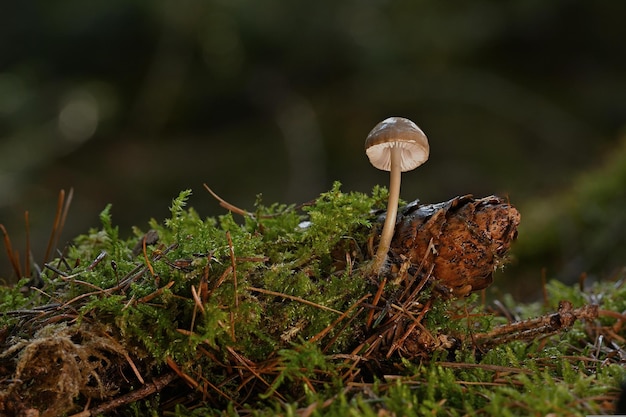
x: 401, y: 133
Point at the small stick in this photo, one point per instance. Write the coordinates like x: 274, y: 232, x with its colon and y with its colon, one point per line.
x: 66, y: 209
x: 196, y: 299
x: 145, y: 255
x: 547, y: 324
x: 343, y: 316
x: 416, y: 321
x: 431, y: 249
x: 139, y: 270
x: 248, y: 365
x: 188, y: 379
x: 10, y: 253
x: 133, y: 366
x: 332, y: 341
x: 219, y: 391
x: 85, y: 283
x: 419, y: 287
x: 227, y: 205
x: 155, y: 386
x: 379, y: 293
x: 96, y: 261
x: 56, y: 270
x: 156, y: 293
x: 220, y: 281
x: 128, y: 359
x: 295, y: 298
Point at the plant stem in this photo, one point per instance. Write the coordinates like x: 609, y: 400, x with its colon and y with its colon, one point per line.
x: 392, y: 210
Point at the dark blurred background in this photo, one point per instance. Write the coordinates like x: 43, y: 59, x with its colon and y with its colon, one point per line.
x: 129, y: 102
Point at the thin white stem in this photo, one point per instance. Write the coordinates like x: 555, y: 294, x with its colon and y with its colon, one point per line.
x: 392, y: 210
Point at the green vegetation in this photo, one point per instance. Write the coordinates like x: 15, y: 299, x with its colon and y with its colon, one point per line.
x: 268, y: 315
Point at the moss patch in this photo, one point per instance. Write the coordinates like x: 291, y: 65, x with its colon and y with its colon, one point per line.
x: 278, y: 312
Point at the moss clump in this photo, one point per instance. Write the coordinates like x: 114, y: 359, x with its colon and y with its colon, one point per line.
x: 202, y: 294
x: 279, y: 313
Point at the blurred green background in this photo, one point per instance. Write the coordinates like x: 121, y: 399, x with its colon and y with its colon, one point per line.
x: 129, y: 102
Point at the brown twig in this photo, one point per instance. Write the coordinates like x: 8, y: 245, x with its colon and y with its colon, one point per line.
x: 341, y: 317
x: 547, y: 324
x: 230, y: 207
x: 227, y: 205
x: 97, y: 261
x: 153, y: 387
x: 187, y: 378
x: 250, y: 367
x: 219, y: 391
x: 197, y: 302
x: 155, y: 293
x: 294, y: 298
x: 66, y: 209
x: 375, y: 301
x: 129, y: 360
x: 10, y: 252
x: 416, y: 321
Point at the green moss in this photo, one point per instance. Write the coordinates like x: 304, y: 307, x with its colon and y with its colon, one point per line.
x: 262, y: 312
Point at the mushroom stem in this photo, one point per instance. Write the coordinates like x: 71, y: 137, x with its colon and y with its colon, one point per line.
x: 392, y: 209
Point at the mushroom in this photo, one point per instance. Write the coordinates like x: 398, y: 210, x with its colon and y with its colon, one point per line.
x: 396, y: 145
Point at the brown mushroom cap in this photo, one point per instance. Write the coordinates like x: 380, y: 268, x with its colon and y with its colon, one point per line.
x: 397, y: 132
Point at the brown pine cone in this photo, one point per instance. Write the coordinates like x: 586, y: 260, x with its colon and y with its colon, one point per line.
x: 469, y: 240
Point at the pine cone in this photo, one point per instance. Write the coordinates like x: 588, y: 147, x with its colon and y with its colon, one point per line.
x: 469, y: 240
